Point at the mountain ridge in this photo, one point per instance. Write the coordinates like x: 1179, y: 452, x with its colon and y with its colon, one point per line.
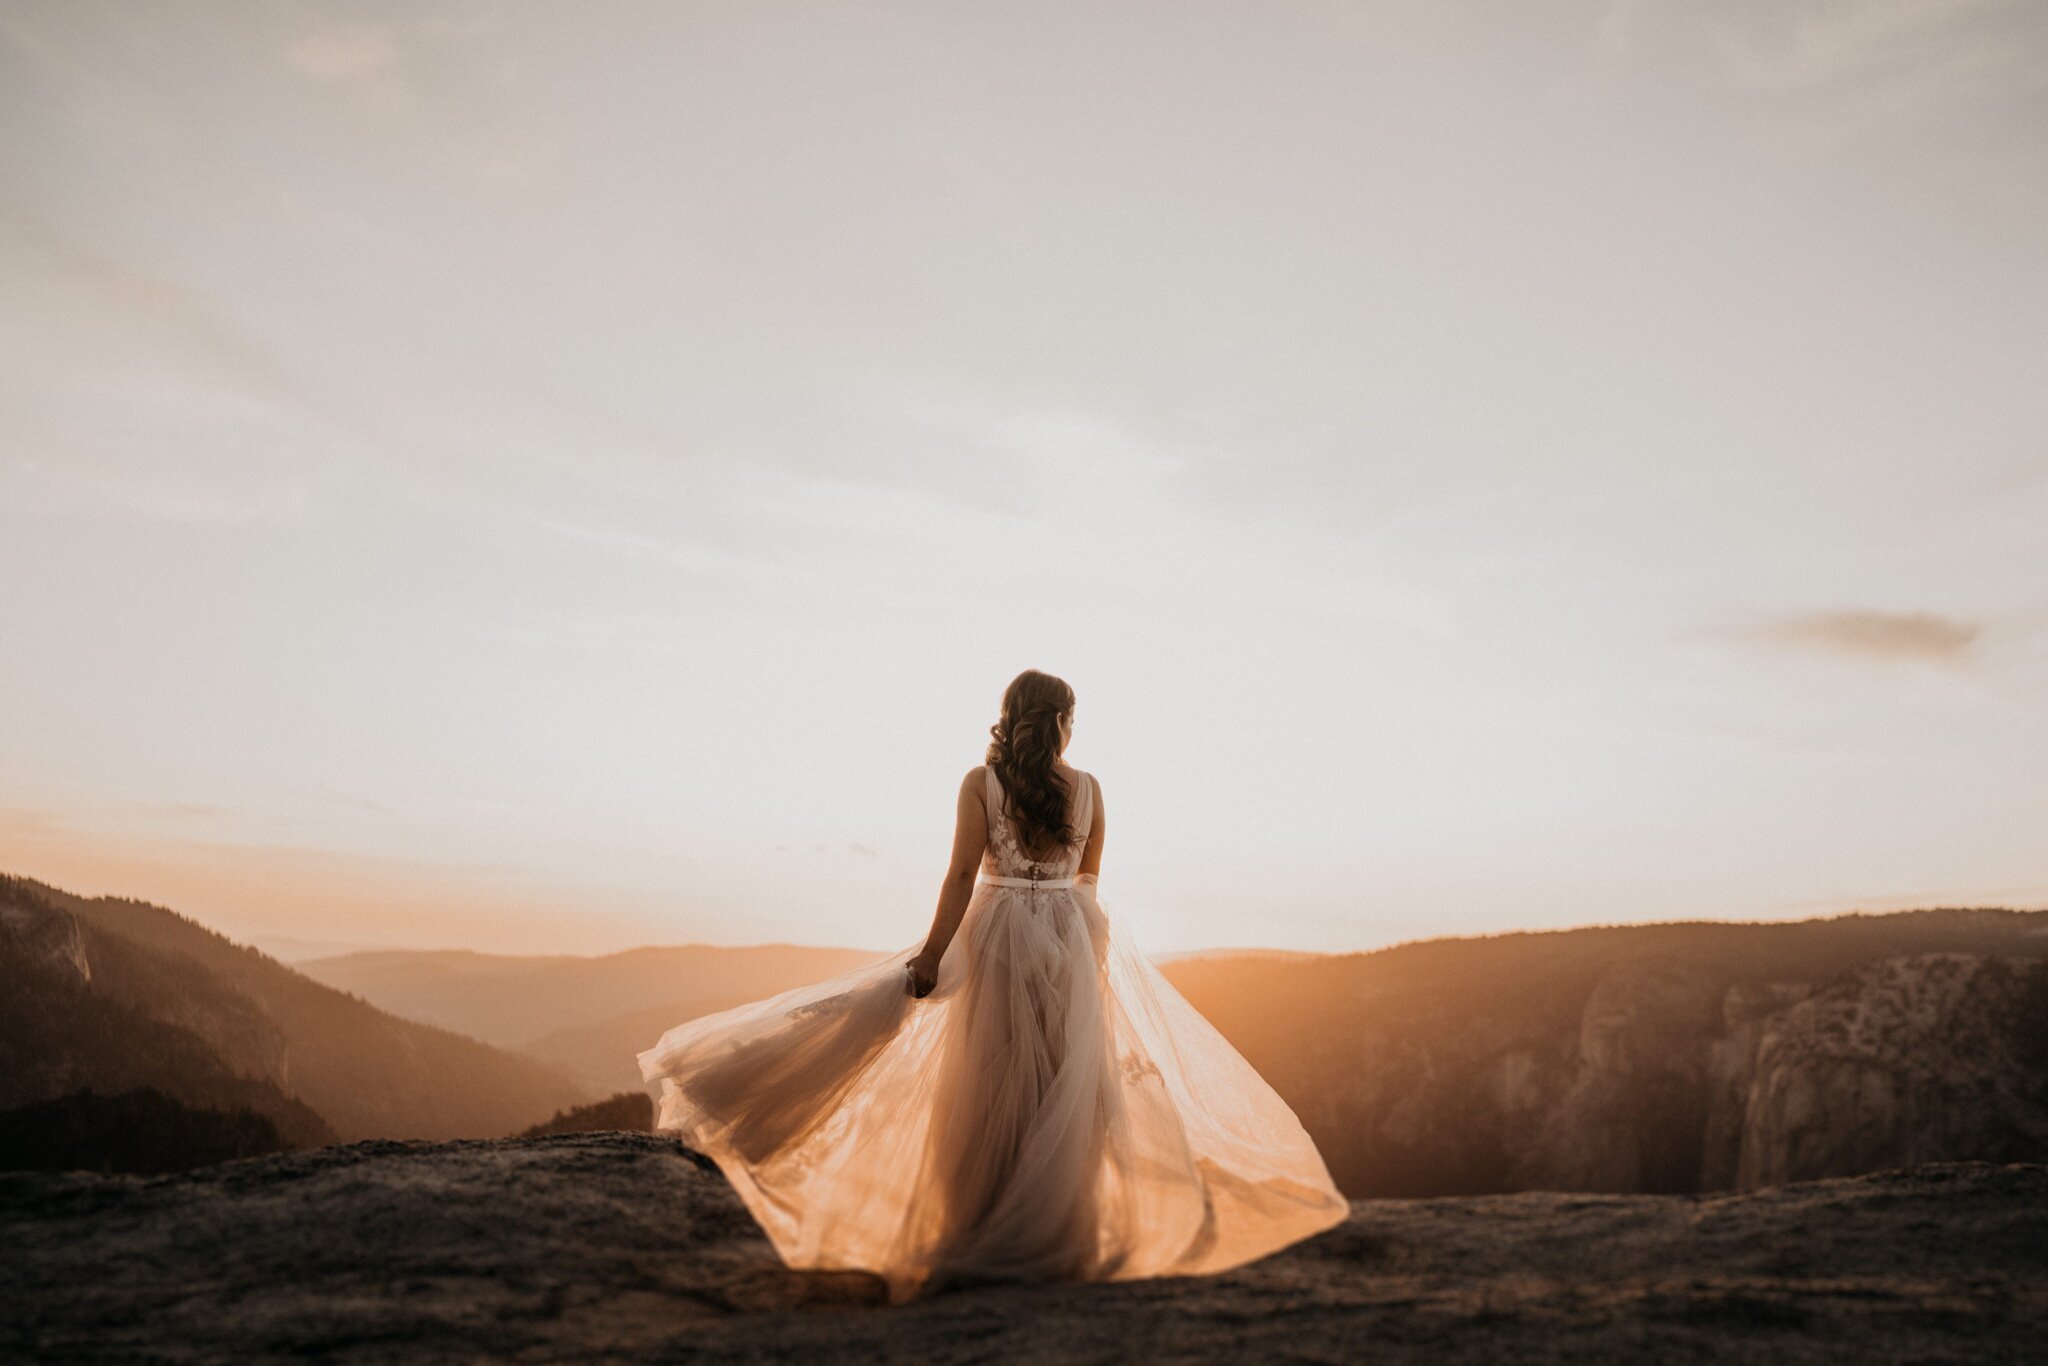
x: 268, y: 1028
x: 1668, y: 1056
x: 586, y: 1017
x: 1656, y: 1057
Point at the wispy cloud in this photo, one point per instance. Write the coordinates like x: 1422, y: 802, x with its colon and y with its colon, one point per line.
x: 1788, y: 45
x: 364, y: 62
x: 1867, y: 634
x: 1840, y: 71
x: 345, y: 53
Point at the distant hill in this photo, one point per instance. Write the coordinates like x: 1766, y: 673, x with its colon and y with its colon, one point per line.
x: 1655, y: 1058
x: 1658, y: 1058
x: 586, y: 1017
x: 107, y: 994
x: 1236, y: 955
x: 629, y: 1110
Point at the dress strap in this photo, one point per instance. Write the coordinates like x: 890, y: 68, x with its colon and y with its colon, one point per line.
x: 1080, y: 808
x: 1082, y: 814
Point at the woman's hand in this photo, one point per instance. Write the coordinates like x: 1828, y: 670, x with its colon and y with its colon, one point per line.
x: 923, y: 971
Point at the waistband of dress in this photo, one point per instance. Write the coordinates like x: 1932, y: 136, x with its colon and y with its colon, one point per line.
x: 1043, y: 882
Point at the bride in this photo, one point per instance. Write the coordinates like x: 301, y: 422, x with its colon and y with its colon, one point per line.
x: 1023, y: 1097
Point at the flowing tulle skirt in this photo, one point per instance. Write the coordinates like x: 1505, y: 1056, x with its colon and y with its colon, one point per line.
x: 1053, y: 1110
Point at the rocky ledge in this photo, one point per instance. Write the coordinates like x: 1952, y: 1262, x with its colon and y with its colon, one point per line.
x: 625, y: 1245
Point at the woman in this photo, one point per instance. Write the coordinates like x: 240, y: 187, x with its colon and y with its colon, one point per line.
x: 1022, y: 1098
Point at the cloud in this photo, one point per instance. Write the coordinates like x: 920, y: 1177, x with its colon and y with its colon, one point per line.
x: 1789, y: 45
x: 1868, y: 634
x: 367, y: 64
x: 136, y: 396
x: 1850, y: 71
x: 345, y: 53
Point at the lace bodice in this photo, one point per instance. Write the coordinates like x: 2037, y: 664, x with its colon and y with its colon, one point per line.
x: 1005, y: 858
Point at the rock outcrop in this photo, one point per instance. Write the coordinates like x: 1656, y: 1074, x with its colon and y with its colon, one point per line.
x: 622, y: 1247
x: 1655, y: 1058
x: 47, y: 937
x: 1680, y: 1083
x: 1909, y: 1060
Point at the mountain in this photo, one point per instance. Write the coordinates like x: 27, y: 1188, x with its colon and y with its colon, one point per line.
x: 108, y: 994
x: 621, y: 1247
x: 629, y: 1110
x: 66, y: 1028
x: 1654, y: 1058
x: 1660, y: 1058
x: 586, y: 1017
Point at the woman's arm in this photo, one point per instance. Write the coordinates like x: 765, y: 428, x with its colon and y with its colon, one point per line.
x: 970, y: 841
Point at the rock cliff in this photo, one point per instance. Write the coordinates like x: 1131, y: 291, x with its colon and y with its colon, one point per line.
x: 1663, y: 1058
x: 1908, y: 1060
x: 48, y: 938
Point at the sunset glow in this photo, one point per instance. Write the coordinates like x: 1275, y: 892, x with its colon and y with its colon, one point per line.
x: 556, y: 478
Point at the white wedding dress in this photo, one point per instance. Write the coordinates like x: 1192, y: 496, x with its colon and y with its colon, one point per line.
x: 1053, y: 1110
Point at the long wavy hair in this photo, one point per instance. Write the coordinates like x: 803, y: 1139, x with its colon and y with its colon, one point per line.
x: 1023, y: 747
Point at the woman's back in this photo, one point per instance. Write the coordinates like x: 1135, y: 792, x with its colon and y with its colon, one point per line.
x: 1007, y: 856
x: 1037, y: 1103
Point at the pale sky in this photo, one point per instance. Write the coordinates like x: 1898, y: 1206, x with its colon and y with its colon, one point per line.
x: 558, y: 477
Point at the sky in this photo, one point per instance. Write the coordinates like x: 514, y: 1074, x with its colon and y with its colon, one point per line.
x: 550, y: 478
